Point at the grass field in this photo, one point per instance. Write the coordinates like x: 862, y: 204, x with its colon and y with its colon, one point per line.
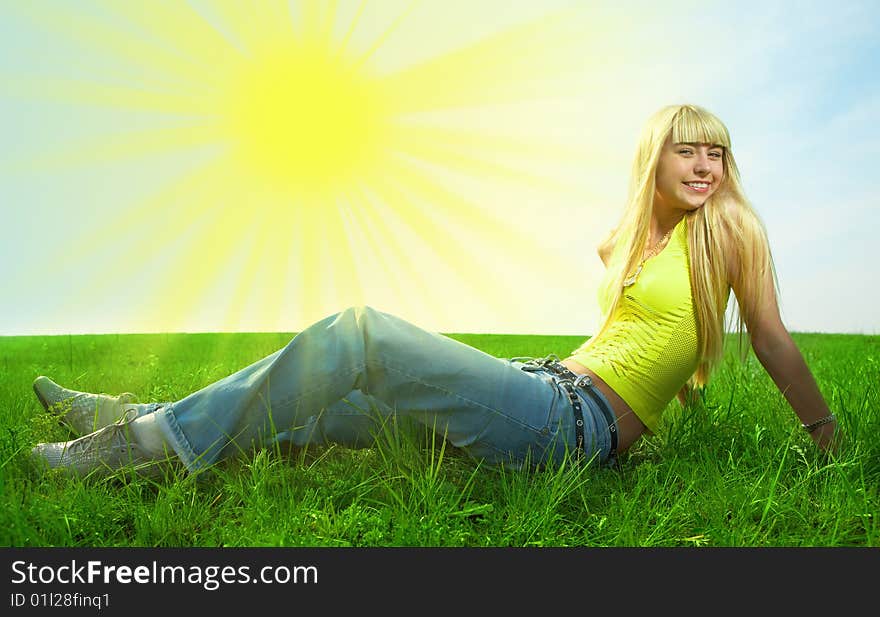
x: 737, y: 471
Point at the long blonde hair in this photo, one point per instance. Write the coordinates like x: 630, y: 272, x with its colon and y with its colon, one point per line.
x: 725, y: 227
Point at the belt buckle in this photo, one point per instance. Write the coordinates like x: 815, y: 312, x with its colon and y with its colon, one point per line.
x: 583, y: 381
x: 548, y: 361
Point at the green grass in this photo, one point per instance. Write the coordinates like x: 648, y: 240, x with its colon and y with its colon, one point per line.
x: 737, y: 471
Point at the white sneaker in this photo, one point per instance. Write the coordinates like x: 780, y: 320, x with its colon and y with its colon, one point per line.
x: 81, y: 411
x: 102, y: 452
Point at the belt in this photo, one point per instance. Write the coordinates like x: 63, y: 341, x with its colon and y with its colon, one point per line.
x: 569, y: 382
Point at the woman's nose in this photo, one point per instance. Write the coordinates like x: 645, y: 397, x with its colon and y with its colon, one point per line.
x: 701, y: 163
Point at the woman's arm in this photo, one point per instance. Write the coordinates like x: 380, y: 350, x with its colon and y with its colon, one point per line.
x: 782, y: 360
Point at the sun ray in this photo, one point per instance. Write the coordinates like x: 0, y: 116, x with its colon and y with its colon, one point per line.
x: 347, y: 284
x: 455, y: 154
x: 368, y: 251
x: 152, y: 220
x: 188, y: 254
x: 199, y: 261
x: 477, y: 236
x: 424, y: 232
x: 315, y: 19
x: 172, y: 264
x: 377, y: 44
x: 460, y: 210
x: 343, y: 46
x: 244, y: 260
x: 490, y: 70
x: 491, y: 144
x: 321, y: 177
x: 312, y: 287
x: 126, y: 56
x: 180, y: 27
x: 93, y: 267
x: 255, y: 25
x: 400, y: 274
x: 175, y: 103
x: 133, y: 146
x: 299, y: 303
x: 256, y: 282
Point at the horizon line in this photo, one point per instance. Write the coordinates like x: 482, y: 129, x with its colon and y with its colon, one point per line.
x: 444, y: 332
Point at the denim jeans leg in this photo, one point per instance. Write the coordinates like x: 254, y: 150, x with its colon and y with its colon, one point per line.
x: 484, y: 404
x: 353, y: 422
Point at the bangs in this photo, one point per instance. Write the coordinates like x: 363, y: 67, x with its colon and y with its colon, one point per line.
x: 694, y: 125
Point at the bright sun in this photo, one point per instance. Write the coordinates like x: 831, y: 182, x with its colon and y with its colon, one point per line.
x: 303, y: 118
x: 322, y: 179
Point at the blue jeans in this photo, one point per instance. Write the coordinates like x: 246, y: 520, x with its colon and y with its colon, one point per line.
x: 339, y: 379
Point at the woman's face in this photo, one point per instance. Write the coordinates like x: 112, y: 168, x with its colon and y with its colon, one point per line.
x: 687, y: 175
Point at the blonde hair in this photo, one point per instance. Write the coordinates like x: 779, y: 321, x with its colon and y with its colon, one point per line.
x: 725, y: 227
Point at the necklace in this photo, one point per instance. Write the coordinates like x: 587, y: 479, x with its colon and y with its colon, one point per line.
x: 631, y: 280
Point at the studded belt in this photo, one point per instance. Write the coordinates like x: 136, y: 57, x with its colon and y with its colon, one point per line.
x: 569, y: 382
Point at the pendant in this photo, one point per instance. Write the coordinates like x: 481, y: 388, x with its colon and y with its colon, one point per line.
x: 631, y: 280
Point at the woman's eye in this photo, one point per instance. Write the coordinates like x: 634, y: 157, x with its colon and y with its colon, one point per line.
x: 685, y: 151
x: 716, y: 155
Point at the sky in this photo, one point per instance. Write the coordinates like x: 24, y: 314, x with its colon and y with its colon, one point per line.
x: 214, y: 166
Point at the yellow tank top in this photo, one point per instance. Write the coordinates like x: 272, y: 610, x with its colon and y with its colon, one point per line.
x: 649, y: 350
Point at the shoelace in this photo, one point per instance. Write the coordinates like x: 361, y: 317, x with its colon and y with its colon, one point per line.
x: 103, y: 435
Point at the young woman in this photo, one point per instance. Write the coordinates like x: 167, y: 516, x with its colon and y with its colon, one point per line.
x: 687, y: 238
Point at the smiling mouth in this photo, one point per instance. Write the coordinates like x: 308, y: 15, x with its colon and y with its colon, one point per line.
x: 700, y: 187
